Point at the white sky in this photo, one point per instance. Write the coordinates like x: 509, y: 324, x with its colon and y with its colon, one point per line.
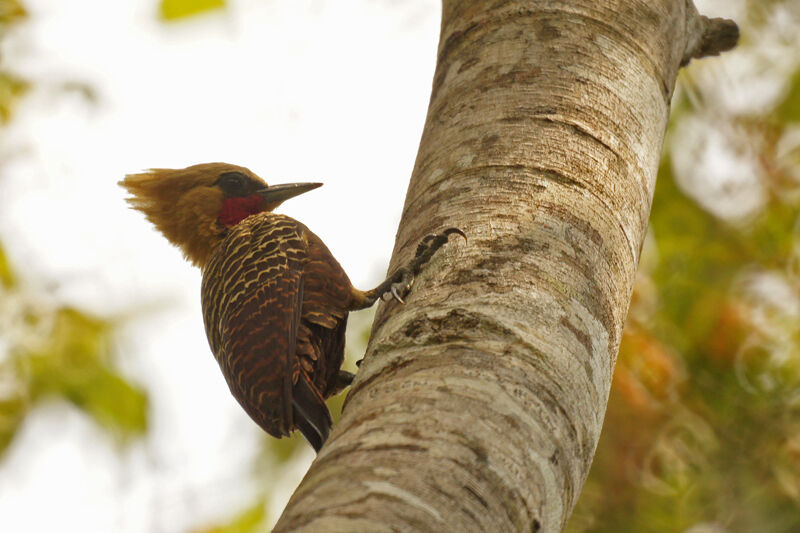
x: 328, y: 90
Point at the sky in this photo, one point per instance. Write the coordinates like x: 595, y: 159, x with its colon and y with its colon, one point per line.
x: 330, y: 91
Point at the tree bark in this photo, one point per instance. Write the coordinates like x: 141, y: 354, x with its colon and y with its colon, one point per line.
x: 480, y: 402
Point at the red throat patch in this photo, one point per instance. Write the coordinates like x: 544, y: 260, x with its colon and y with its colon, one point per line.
x: 236, y: 209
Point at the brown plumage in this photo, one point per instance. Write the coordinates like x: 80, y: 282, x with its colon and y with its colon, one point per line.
x: 275, y: 304
x: 275, y: 300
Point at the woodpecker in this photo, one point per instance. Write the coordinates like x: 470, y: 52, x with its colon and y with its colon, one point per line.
x: 275, y: 301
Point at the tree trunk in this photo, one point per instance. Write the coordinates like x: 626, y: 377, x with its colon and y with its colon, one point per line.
x: 480, y: 402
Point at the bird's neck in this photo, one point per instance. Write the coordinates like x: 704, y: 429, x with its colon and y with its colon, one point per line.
x: 236, y: 209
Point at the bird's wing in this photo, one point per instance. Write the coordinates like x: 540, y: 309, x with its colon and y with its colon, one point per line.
x: 326, y: 303
x: 329, y: 293
x: 252, y: 299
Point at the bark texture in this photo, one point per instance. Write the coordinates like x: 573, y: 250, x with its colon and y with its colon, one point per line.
x: 480, y: 402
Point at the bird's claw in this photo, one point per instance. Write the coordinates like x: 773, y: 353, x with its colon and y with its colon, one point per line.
x: 396, y: 295
x: 430, y: 244
x: 398, y: 289
x: 433, y: 241
x: 457, y: 231
x: 403, y: 279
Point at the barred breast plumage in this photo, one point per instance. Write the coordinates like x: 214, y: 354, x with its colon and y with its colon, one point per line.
x: 275, y: 304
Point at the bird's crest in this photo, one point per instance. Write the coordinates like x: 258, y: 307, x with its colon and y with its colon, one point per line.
x: 184, y: 204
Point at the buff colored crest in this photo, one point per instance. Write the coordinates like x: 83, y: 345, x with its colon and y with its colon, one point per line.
x: 184, y: 204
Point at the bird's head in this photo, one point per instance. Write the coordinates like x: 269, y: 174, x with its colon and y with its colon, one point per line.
x: 194, y: 207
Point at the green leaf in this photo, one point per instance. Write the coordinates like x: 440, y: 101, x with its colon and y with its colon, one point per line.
x: 13, y: 409
x: 76, y: 364
x: 698, y: 257
x: 11, y: 11
x: 249, y: 520
x: 11, y: 90
x: 335, y: 405
x: 7, y: 278
x: 770, y: 238
x: 80, y: 338
x: 178, y: 9
x: 282, y: 449
x: 111, y: 401
x: 788, y: 110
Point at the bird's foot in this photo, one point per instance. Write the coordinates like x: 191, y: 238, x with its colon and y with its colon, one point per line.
x: 343, y: 380
x: 432, y: 242
x: 401, y: 281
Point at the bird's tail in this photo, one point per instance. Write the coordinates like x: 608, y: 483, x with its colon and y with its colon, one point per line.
x: 311, y: 415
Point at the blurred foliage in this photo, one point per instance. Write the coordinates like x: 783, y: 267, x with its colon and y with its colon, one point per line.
x: 12, y: 87
x: 250, y: 520
x: 60, y: 353
x: 702, y: 431
x: 11, y: 11
x: 75, y: 363
x: 50, y: 351
x: 789, y: 109
x: 177, y: 9
x: 7, y: 278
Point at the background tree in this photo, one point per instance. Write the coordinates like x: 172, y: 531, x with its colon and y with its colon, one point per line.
x: 479, y: 405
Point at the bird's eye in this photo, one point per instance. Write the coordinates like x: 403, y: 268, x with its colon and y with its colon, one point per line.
x: 233, y: 183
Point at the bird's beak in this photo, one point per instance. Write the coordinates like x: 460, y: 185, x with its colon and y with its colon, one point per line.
x: 275, y: 194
